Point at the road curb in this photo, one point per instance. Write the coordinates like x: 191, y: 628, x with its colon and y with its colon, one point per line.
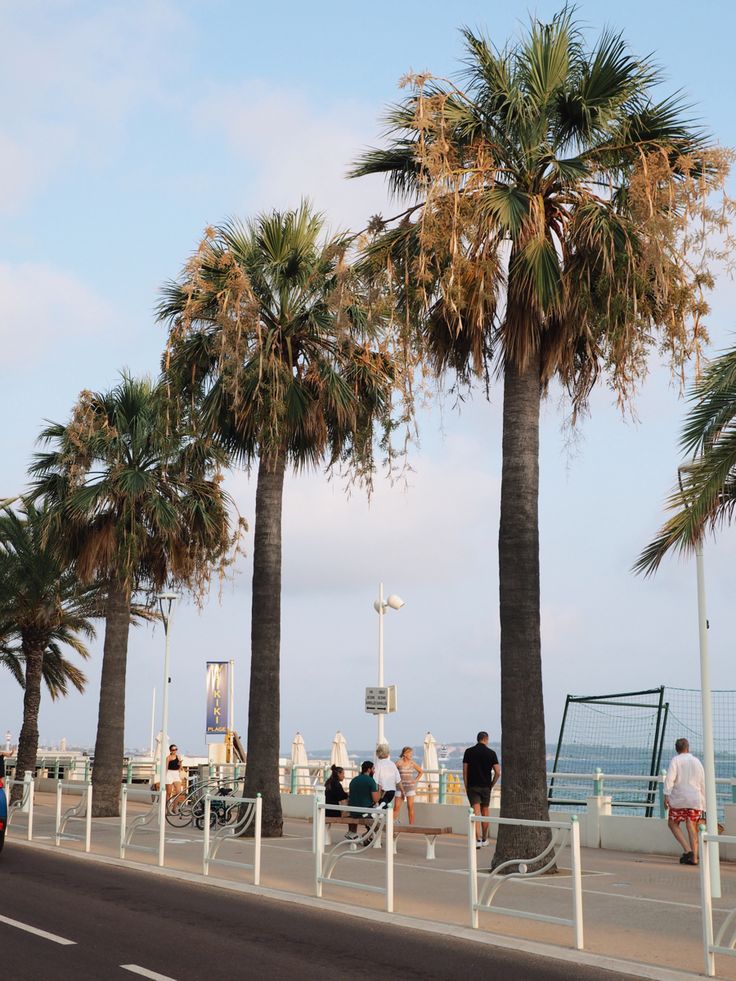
x: 635, y: 969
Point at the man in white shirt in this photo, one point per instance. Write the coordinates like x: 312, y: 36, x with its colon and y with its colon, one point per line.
x: 386, y: 775
x: 684, y: 797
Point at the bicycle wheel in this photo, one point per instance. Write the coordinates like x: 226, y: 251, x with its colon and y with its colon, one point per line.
x: 180, y: 815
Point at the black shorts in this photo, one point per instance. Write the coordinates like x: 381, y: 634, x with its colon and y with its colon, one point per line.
x: 479, y: 795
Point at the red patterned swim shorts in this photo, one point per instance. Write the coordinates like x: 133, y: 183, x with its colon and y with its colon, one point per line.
x: 680, y: 814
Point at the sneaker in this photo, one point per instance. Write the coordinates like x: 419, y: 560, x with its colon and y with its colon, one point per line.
x: 685, y: 858
x: 478, y: 844
x: 352, y: 836
x: 483, y: 842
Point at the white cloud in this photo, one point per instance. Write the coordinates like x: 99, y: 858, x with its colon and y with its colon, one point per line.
x: 298, y: 149
x: 441, y: 524
x: 70, y: 75
x: 42, y: 307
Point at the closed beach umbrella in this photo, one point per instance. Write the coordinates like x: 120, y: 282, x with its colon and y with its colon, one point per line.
x: 299, y: 765
x: 430, y: 764
x: 339, y: 755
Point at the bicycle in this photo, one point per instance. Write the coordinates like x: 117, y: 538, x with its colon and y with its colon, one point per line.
x: 220, y: 811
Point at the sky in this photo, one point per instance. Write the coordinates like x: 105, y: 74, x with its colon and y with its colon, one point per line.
x: 128, y: 127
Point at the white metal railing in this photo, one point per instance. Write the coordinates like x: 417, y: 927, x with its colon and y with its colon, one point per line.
x: 148, y: 821
x: 724, y: 942
x: 25, y: 804
x: 650, y: 789
x: 250, y: 813
x: 379, y: 821
x: 562, y: 833
x: 80, y: 811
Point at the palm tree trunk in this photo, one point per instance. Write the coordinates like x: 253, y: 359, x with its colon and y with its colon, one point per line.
x: 523, y: 750
x: 110, y: 743
x: 262, y: 766
x: 34, y: 644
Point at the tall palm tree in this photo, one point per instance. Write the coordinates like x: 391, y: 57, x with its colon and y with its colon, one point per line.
x: 43, y: 609
x: 547, y: 198
x: 135, y: 501
x: 270, y: 331
x: 706, y: 494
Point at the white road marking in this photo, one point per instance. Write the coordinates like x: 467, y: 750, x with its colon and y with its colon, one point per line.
x: 145, y: 973
x: 39, y: 933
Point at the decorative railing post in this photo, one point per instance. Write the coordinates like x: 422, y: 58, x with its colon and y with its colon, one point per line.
x: 443, y: 785
x: 598, y: 782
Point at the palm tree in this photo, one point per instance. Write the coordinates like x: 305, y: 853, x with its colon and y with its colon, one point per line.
x: 58, y: 672
x: 43, y: 609
x: 542, y: 238
x: 706, y: 495
x: 135, y: 501
x: 271, y: 333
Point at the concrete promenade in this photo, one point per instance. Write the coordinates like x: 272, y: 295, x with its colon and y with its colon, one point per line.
x: 641, y: 912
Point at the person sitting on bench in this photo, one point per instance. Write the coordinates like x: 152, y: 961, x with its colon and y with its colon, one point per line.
x: 334, y: 790
x: 362, y: 792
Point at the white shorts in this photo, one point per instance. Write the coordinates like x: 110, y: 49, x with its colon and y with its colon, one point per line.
x: 407, y: 792
x: 172, y: 776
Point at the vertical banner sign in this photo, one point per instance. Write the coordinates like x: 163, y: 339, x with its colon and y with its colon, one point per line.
x: 218, y: 682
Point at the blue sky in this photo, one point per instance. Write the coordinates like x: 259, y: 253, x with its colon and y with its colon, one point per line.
x: 125, y: 129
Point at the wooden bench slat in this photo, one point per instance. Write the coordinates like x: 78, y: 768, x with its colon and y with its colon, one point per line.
x: 412, y: 829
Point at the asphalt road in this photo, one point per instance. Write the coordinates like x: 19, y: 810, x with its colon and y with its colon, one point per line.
x: 101, y: 918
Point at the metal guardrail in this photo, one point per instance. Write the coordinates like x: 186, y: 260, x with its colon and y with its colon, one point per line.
x: 562, y: 833
x: 724, y: 941
x: 80, y: 811
x: 25, y: 804
x: 381, y: 820
x: 250, y: 812
x: 141, y: 822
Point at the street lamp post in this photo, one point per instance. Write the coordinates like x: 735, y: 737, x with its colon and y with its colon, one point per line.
x: 166, y: 604
x: 394, y: 602
x: 709, y: 761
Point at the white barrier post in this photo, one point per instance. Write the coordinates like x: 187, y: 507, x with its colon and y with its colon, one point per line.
x: 58, y: 812
x: 88, y: 826
x: 577, y: 882
x: 123, y: 817
x: 257, y: 856
x: 390, y: 859
x: 206, y: 853
x: 706, y: 906
x: 31, y: 798
x: 473, y: 868
x: 319, y: 847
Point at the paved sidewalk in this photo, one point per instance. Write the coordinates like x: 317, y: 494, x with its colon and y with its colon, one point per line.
x: 644, y: 909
